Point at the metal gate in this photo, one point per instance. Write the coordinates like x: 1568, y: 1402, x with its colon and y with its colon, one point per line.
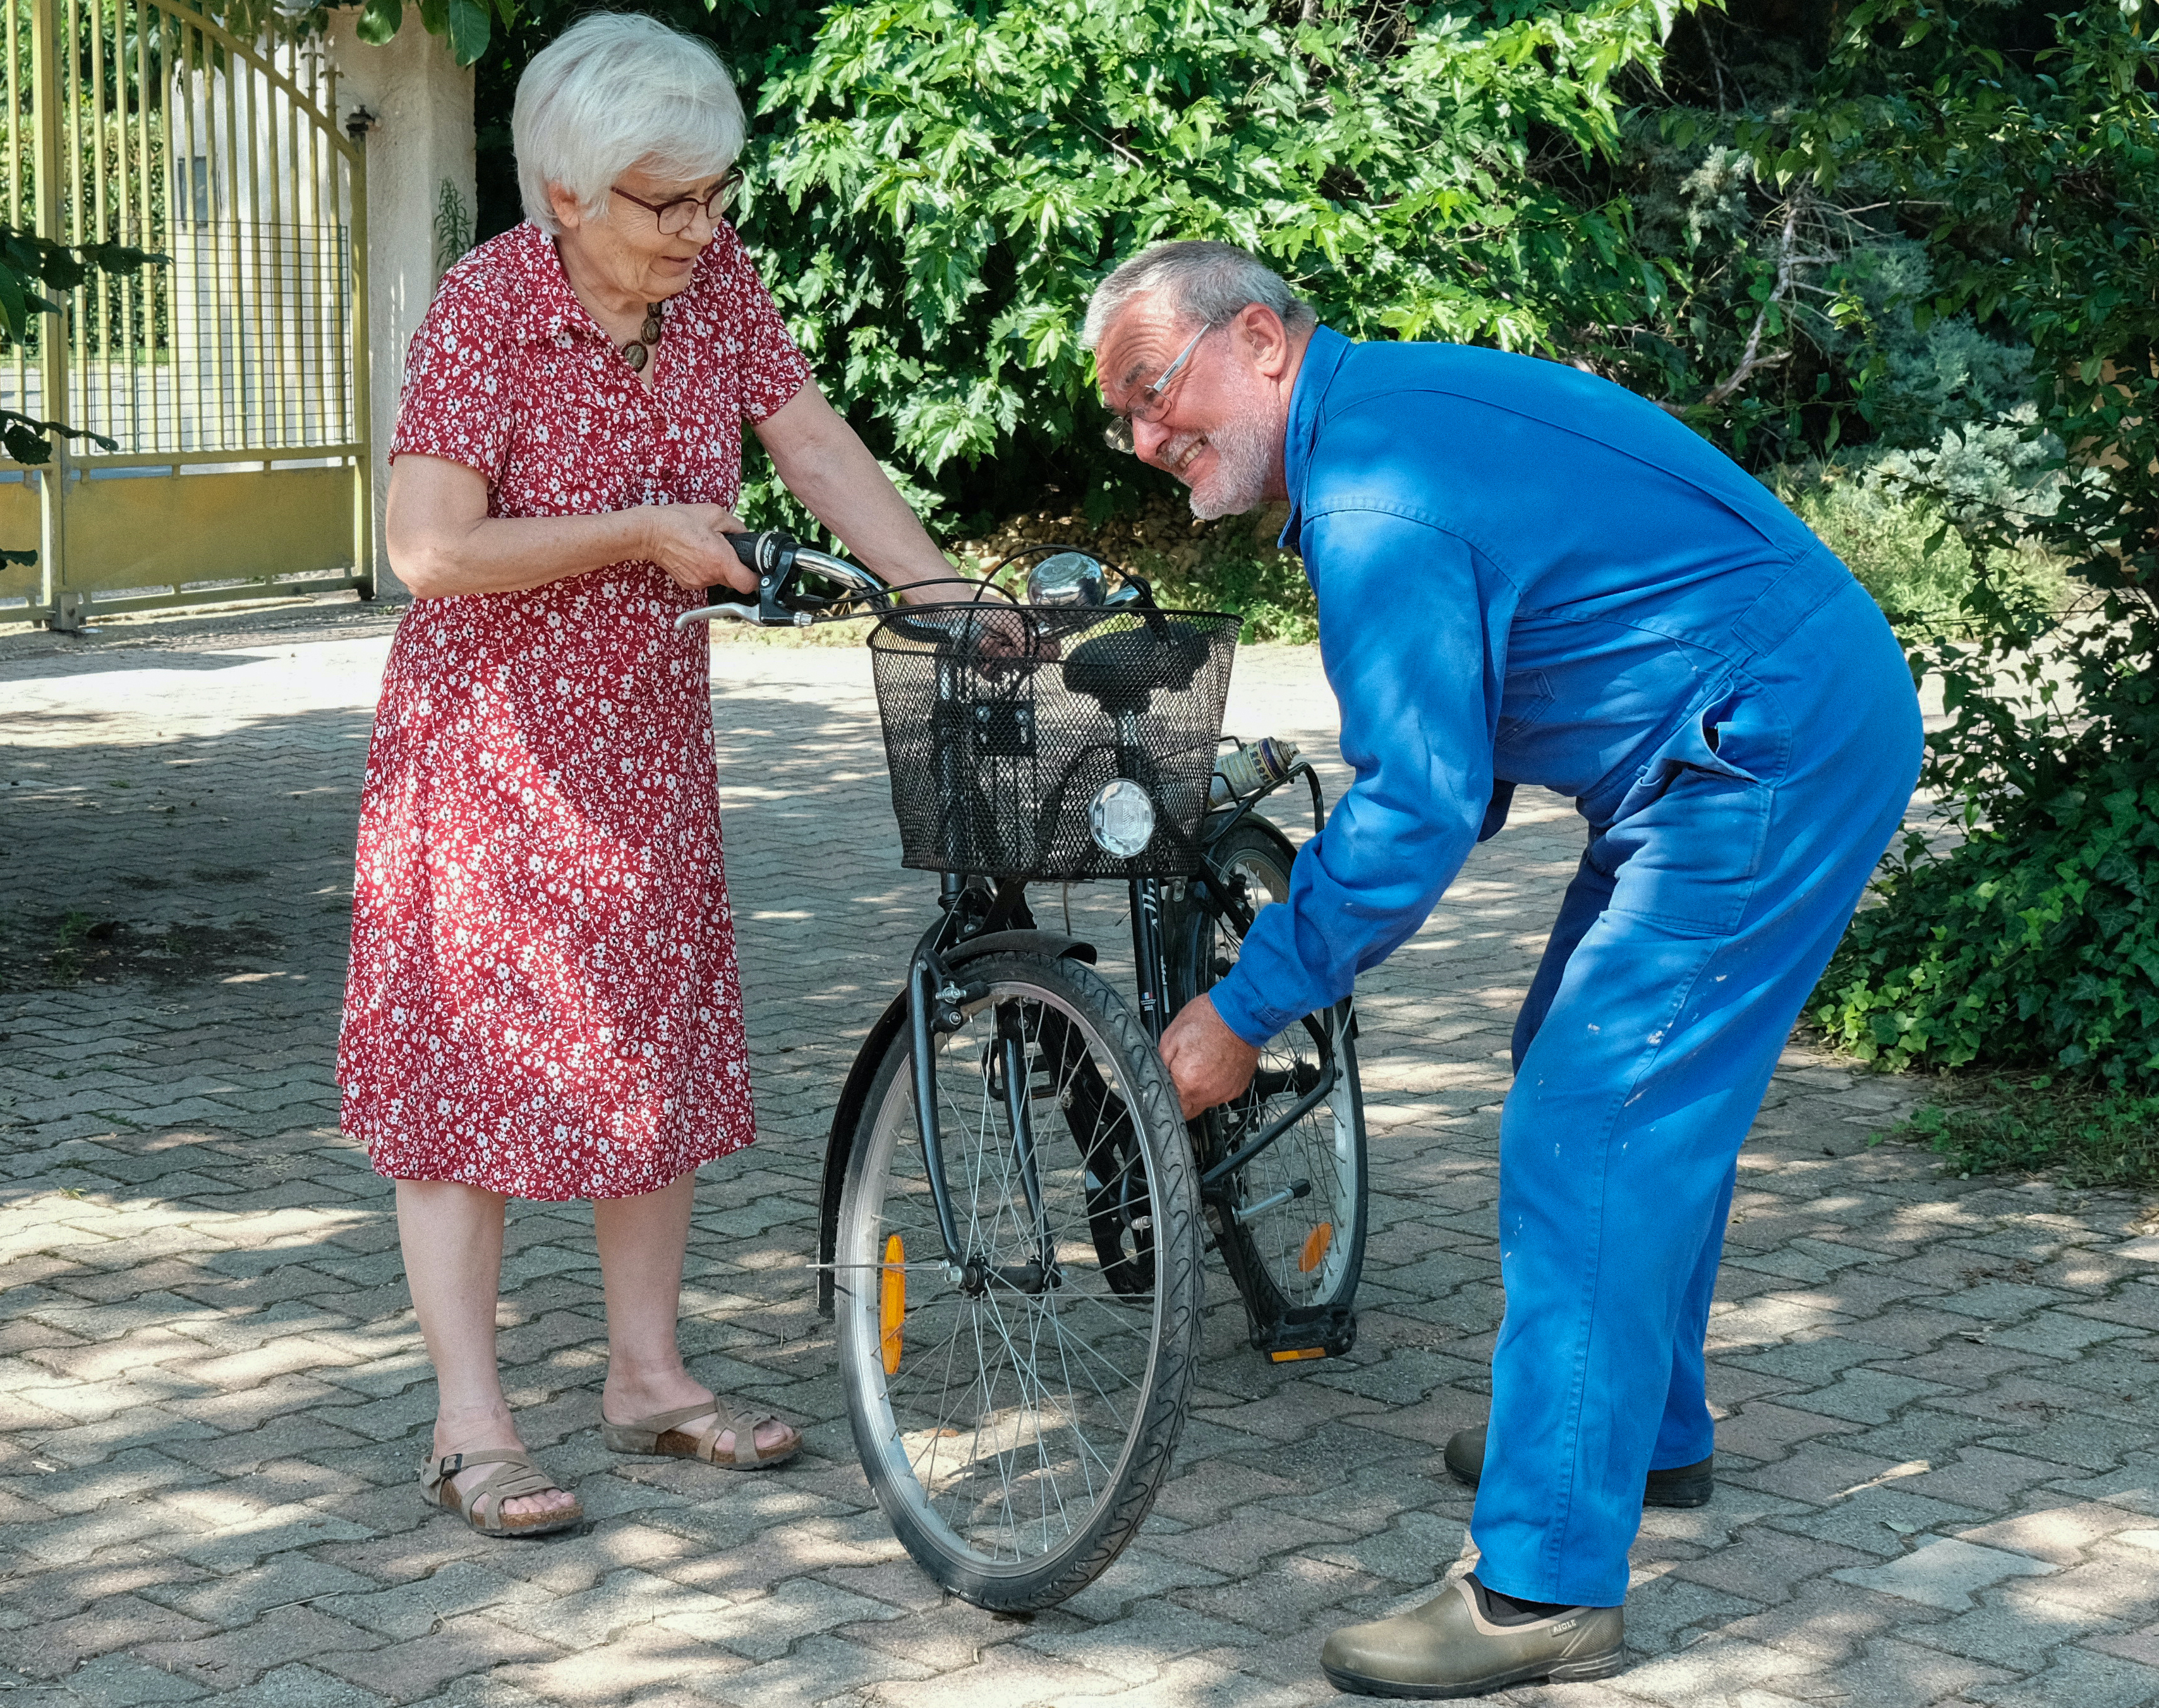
x: 234, y: 376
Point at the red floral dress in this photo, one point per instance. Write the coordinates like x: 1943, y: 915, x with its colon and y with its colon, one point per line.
x: 543, y: 998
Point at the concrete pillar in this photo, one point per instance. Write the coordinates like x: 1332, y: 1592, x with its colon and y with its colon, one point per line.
x: 420, y: 103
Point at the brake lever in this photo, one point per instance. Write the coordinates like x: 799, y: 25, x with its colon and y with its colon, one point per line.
x: 771, y: 554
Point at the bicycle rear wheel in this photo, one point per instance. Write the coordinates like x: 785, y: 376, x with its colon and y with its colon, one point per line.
x: 1292, y: 1222
x: 1015, y: 1425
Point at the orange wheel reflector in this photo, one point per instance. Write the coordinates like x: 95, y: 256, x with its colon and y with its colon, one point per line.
x: 1315, y: 1247
x: 891, y: 1303
x: 1302, y: 1352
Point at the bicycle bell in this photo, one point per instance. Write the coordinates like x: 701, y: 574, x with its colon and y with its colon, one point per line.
x: 1068, y: 578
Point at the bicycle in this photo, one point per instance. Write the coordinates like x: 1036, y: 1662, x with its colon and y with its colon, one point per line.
x: 1015, y: 1279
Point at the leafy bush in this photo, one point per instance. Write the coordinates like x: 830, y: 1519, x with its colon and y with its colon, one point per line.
x: 953, y: 180
x: 2035, y: 941
x: 1892, y: 534
x: 2035, y: 944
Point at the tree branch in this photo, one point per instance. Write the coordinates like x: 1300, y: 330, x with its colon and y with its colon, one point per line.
x: 1752, y: 361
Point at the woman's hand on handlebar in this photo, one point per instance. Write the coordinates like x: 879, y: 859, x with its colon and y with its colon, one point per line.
x: 690, y: 542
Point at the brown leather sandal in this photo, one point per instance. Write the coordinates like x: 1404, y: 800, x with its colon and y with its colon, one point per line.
x: 481, y: 1505
x: 660, y: 1436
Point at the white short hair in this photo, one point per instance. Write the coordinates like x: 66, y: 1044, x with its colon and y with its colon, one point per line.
x: 616, y: 90
x: 1210, y: 282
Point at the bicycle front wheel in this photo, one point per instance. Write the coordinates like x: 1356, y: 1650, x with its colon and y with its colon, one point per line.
x: 1292, y: 1223
x: 1016, y: 1415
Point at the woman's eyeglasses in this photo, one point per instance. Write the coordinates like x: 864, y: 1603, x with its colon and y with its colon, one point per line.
x: 1150, y: 403
x: 676, y: 217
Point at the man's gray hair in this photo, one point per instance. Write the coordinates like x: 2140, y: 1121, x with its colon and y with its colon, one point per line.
x: 1209, y: 282
x: 615, y: 91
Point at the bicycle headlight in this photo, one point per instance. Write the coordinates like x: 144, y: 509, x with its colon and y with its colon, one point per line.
x: 1121, y: 818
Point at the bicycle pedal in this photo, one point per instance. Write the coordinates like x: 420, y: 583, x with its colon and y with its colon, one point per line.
x: 1299, y: 1334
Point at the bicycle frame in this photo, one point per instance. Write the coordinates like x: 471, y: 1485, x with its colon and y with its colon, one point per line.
x: 934, y: 991
x: 974, y: 923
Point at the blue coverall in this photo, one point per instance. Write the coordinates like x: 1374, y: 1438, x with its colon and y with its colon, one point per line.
x: 1526, y: 574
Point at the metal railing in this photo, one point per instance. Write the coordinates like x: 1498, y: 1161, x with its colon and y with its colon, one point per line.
x: 233, y: 377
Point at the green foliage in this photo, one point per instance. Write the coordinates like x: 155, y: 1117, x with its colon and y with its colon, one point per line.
x: 944, y: 185
x: 467, y: 26
x: 2033, y: 941
x: 453, y: 226
x: 2035, y: 944
x: 2086, y: 1135
x: 1266, y: 587
x: 30, y: 265
x: 1869, y: 511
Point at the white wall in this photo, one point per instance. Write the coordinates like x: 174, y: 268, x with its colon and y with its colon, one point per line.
x: 422, y: 104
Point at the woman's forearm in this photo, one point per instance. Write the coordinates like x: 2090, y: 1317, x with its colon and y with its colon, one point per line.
x: 510, y: 554
x: 442, y: 542
x: 818, y: 456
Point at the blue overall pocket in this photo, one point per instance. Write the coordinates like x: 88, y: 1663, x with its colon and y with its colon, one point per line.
x: 1685, y: 846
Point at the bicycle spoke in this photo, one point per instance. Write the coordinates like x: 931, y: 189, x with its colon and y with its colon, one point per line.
x: 1019, y: 1393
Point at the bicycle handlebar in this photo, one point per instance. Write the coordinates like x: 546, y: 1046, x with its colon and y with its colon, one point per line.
x: 779, y: 559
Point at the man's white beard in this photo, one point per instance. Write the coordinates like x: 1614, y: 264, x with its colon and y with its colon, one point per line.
x: 1243, y: 447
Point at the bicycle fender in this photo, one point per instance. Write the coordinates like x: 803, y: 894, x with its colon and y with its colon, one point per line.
x: 1053, y: 943
x: 855, y: 1093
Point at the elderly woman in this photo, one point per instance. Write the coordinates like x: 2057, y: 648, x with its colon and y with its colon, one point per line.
x: 543, y: 1000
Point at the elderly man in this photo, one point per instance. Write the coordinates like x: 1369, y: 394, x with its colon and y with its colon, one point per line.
x: 1526, y: 574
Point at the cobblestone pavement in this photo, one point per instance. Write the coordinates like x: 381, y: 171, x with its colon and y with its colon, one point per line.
x: 1937, y: 1476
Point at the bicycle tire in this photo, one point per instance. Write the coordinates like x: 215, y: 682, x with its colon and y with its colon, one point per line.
x: 1301, y: 1259
x: 1050, y: 1474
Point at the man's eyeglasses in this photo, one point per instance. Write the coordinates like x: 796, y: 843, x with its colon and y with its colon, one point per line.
x: 676, y: 216
x: 1150, y: 403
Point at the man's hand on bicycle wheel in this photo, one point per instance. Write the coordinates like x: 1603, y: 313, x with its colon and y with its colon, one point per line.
x: 1210, y: 1062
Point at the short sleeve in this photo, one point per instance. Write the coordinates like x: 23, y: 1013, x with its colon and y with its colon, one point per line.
x: 455, y: 404
x: 772, y: 368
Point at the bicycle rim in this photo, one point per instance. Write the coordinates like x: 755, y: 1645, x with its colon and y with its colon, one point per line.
x: 1294, y: 1216
x: 1015, y: 1433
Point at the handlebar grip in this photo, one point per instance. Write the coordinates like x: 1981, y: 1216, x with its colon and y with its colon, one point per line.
x: 745, y: 547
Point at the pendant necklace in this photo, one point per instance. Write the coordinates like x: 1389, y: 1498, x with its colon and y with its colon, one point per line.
x: 639, y: 350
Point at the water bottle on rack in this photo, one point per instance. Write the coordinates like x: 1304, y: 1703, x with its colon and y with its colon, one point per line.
x: 1250, y: 766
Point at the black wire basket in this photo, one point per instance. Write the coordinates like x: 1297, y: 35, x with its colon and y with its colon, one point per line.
x: 1004, y: 724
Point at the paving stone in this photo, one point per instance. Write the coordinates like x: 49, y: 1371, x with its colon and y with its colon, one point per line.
x: 1825, y: 1621
x: 2079, y: 1675
x: 410, y: 1610
x: 1877, y: 1520
x: 819, y: 1668
x: 118, y: 1681
x: 1891, y: 1670
x: 2011, y: 1627
x: 2060, y: 1534
x: 1943, y: 1573
x: 231, y: 1658
x: 417, y: 1668
x: 212, y: 1391
x: 1416, y: 1549
x: 298, y: 1686
x: 768, y: 1628
x: 1137, y: 1648
x: 1716, y: 1665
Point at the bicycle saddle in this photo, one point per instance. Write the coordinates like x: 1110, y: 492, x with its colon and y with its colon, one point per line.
x: 1122, y: 671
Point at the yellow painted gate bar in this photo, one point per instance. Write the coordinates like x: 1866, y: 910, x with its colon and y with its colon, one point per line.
x: 234, y: 376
